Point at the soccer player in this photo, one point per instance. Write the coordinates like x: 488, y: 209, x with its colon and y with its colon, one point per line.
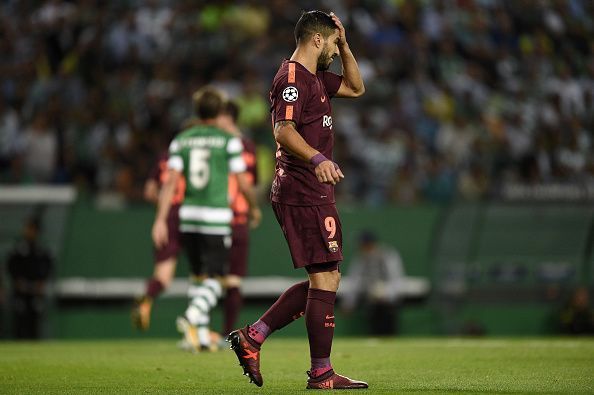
x: 165, y: 257
x: 204, y: 155
x: 240, y: 224
x: 303, y: 195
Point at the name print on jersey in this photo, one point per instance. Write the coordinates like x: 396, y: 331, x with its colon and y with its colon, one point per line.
x: 201, y: 141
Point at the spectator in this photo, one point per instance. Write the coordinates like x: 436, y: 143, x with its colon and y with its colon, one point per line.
x: 577, y: 316
x: 40, y: 149
x: 29, y: 267
x: 439, y: 73
x: 375, y: 277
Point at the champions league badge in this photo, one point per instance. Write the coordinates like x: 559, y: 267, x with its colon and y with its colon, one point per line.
x: 333, y: 246
x: 290, y: 94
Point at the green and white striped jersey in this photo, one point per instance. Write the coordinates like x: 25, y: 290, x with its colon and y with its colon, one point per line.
x: 205, y: 155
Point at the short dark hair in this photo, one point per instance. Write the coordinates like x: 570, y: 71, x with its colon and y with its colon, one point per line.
x: 312, y: 22
x: 209, y: 102
x: 367, y: 237
x: 232, y: 109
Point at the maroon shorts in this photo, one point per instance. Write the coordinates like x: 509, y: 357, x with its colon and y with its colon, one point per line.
x: 239, y: 250
x: 174, y: 245
x: 314, y: 233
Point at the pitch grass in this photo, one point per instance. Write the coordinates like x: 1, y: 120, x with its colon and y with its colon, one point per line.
x: 391, y: 366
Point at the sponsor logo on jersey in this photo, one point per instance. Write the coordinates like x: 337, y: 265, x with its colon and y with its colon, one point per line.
x: 333, y: 246
x: 327, y: 121
x: 323, y: 99
x: 290, y: 94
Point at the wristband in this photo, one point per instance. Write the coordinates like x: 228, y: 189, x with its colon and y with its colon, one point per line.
x: 317, y: 159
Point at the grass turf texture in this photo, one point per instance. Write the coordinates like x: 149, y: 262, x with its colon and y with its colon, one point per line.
x: 390, y: 366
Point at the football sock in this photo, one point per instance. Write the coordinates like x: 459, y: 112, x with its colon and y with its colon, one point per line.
x: 154, y: 288
x: 203, y: 297
x: 204, y: 335
x: 233, y: 303
x: 259, y: 331
x: 319, y: 366
x: 288, y: 307
x: 319, y: 320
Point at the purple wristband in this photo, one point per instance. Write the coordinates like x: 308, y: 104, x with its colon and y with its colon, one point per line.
x: 317, y: 159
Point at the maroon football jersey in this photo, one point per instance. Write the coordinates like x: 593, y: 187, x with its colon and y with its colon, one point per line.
x: 239, y: 203
x: 304, y: 98
x: 159, y: 173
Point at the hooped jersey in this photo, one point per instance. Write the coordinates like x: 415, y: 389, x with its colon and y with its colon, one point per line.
x: 304, y: 98
x: 206, y: 155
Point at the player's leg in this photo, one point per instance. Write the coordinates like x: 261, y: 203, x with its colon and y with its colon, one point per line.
x: 324, y: 279
x: 164, y: 271
x: 188, y: 323
x: 204, y: 294
x: 319, y: 314
x: 238, y: 258
x: 295, y: 223
x: 233, y: 302
x: 246, y: 342
x: 159, y: 282
x: 319, y: 320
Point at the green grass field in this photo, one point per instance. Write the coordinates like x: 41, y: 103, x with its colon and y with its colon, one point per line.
x: 390, y: 366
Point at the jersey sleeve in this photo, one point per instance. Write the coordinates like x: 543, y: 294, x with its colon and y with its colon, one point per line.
x: 235, y: 149
x: 289, y: 96
x: 331, y: 82
x: 175, y: 161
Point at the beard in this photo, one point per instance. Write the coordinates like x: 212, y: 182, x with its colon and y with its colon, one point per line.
x: 324, y: 60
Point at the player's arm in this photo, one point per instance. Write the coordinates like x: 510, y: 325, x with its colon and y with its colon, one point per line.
x: 285, y: 134
x: 151, y: 190
x: 246, y: 188
x: 160, y: 232
x: 238, y: 167
x: 352, y: 83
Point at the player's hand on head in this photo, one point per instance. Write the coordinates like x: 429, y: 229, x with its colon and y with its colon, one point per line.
x: 160, y: 234
x: 340, y: 27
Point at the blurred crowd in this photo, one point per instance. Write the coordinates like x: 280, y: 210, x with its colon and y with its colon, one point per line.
x: 462, y: 95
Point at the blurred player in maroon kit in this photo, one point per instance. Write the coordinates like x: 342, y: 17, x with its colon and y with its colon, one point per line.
x: 303, y: 195
x: 165, y: 257
x: 240, y: 225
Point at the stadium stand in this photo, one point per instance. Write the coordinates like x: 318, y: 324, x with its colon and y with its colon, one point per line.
x: 464, y: 97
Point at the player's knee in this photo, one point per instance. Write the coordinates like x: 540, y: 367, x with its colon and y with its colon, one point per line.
x: 336, y: 276
x: 328, y: 281
x: 232, y: 281
x: 165, y: 282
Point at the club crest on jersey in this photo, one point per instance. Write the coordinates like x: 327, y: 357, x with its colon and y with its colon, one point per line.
x: 290, y: 94
x: 333, y: 246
